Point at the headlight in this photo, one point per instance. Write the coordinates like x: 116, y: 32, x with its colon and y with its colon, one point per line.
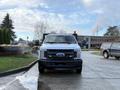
x: 78, y: 52
x: 41, y: 54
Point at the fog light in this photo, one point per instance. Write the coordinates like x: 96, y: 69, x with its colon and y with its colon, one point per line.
x: 70, y: 56
x: 50, y: 56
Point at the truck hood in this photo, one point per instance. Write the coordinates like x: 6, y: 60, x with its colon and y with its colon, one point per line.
x: 60, y: 46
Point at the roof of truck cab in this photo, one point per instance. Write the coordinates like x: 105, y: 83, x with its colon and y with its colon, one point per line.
x: 61, y: 34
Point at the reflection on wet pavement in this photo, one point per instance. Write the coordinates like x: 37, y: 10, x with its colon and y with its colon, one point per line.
x: 42, y: 85
x: 27, y: 81
x: 4, y: 80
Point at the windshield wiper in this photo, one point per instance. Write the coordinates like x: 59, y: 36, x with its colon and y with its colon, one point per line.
x: 50, y: 42
x: 65, y: 42
x: 59, y: 42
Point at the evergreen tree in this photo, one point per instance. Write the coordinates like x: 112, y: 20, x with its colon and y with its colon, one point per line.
x: 0, y: 36
x: 7, y: 26
x: 2, y: 39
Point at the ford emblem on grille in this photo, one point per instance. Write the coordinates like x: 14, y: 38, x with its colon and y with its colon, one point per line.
x: 60, y: 54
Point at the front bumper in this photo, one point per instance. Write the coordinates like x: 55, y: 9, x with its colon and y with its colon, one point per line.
x: 71, y: 64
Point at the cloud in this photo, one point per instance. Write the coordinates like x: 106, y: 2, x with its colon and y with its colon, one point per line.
x: 107, y: 13
x: 24, y: 19
x: 7, y: 4
x: 18, y: 3
x: 80, y: 15
x: 26, y: 13
x: 88, y: 2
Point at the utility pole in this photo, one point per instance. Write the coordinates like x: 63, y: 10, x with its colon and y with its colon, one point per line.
x: 97, y: 31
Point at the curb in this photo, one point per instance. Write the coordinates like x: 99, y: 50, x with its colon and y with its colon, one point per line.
x: 13, y: 71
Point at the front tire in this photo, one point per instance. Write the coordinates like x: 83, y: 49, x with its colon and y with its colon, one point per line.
x: 117, y: 57
x: 106, y: 55
x: 79, y: 71
x: 41, y: 68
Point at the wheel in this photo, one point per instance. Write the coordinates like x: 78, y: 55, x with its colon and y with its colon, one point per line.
x: 41, y: 70
x: 79, y: 71
x: 106, y: 55
x: 117, y: 57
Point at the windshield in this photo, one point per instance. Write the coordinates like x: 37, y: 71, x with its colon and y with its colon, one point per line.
x: 69, y: 39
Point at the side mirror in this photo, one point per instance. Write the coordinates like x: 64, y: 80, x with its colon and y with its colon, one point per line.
x: 36, y: 43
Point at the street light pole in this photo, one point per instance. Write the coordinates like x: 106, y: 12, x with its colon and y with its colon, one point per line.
x: 27, y: 40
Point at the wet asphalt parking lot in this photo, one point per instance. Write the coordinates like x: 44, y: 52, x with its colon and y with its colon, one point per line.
x: 98, y: 74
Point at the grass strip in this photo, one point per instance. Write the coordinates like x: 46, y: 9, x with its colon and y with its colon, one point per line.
x: 13, y: 62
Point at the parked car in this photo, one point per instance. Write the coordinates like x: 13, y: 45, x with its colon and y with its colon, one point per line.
x: 111, y: 49
x: 60, y: 51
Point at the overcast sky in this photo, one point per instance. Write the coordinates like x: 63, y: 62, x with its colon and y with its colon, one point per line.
x: 84, y: 16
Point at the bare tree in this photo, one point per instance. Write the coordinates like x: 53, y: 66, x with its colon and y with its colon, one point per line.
x: 53, y: 32
x: 40, y: 29
x: 62, y: 31
x: 43, y: 27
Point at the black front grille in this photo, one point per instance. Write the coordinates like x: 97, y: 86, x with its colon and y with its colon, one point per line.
x: 68, y: 54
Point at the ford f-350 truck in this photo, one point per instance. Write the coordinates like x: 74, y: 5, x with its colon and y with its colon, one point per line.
x: 60, y: 51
